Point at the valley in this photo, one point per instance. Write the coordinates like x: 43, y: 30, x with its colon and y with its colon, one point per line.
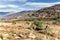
x: 43, y: 24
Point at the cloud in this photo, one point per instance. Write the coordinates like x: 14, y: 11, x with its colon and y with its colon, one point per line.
x: 8, y: 6
x: 13, y: 0
x: 14, y: 10
x: 12, y: 6
x: 11, y: 11
x: 30, y: 6
x: 40, y: 4
x: 8, y: 10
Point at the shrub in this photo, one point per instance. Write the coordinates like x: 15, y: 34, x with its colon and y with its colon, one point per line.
x: 58, y: 17
x: 1, y: 37
x: 28, y: 23
x: 55, y: 22
x: 32, y: 19
x: 38, y: 24
x: 13, y: 22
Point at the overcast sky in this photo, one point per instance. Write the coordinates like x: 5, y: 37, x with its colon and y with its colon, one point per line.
x: 21, y: 5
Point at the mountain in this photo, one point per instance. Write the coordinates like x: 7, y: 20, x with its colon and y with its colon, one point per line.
x: 3, y: 13
x: 53, y: 11
x: 48, y: 12
x: 18, y: 14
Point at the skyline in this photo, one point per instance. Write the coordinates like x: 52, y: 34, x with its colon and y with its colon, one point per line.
x: 21, y: 5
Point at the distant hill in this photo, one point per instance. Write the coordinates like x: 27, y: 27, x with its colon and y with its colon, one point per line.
x: 19, y: 14
x: 3, y: 13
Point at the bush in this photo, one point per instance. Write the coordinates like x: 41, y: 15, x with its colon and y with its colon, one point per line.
x: 55, y: 22
x: 32, y: 19
x: 28, y: 23
x: 58, y: 17
x: 38, y: 24
x: 1, y: 37
x: 13, y: 22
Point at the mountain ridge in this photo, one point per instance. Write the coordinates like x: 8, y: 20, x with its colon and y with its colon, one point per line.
x: 48, y: 12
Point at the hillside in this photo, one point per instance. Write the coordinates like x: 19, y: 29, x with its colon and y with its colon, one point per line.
x: 48, y: 12
x: 53, y: 11
x: 18, y: 14
x: 32, y: 28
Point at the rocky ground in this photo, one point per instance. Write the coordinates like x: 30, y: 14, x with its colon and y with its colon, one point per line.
x: 9, y: 31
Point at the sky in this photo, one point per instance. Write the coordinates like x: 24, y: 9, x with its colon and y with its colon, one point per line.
x: 23, y: 5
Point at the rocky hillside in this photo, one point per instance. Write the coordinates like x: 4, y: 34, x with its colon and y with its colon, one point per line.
x: 18, y: 15
x: 53, y: 11
x: 48, y: 12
